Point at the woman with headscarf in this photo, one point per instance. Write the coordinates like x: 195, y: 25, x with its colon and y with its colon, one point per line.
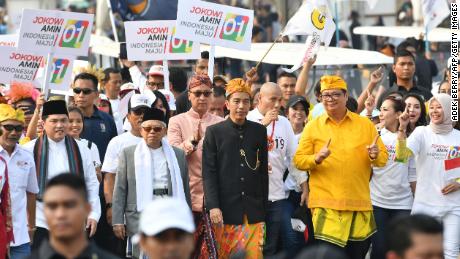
x: 436, y: 149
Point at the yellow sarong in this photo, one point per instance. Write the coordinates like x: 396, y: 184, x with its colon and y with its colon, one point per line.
x: 339, y: 227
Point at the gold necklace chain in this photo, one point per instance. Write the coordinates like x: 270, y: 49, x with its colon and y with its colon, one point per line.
x: 243, y: 154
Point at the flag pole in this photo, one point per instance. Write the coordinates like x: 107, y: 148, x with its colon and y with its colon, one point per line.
x: 271, y: 46
x: 337, y: 29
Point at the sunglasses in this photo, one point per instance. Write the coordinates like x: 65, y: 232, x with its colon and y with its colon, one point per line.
x: 85, y: 91
x: 17, y: 128
x: 199, y: 93
x: 156, y: 129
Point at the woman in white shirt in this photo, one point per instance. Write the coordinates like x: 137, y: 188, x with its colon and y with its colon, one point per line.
x: 75, y: 129
x: 391, y: 192
x: 436, y: 149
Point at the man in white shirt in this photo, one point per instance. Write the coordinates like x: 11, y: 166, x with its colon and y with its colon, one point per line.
x: 55, y: 153
x: 281, y: 148
x: 22, y: 179
x: 150, y: 170
x: 137, y: 106
x: 111, y: 85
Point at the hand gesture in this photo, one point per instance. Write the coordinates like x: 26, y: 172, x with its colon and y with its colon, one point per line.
x: 216, y: 216
x: 270, y: 116
x: 377, y: 75
x: 40, y: 101
x: 369, y: 103
x: 452, y: 187
x: 311, y: 61
x: 373, y: 149
x: 197, y: 134
x: 252, y: 76
x: 323, y: 153
x: 404, y: 119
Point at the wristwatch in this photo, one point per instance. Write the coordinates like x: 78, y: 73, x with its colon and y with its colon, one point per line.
x: 108, y: 205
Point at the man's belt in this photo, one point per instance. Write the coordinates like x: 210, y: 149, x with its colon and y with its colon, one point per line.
x: 160, y: 191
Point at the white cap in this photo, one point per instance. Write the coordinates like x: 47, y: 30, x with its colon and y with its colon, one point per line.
x: 163, y: 214
x: 103, y: 97
x: 128, y: 86
x: 170, y: 98
x: 156, y: 70
x: 141, y: 100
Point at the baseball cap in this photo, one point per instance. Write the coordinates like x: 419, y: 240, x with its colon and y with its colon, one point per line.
x: 170, y: 98
x: 295, y: 99
x: 156, y: 70
x: 140, y: 100
x: 126, y: 87
x: 163, y: 214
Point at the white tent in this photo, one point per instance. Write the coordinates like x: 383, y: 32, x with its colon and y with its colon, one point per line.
x: 435, y: 35
x: 288, y: 54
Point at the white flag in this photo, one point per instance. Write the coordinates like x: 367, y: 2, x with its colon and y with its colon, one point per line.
x: 312, y: 16
x: 312, y: 45
x: 434, y: 12
x: 315, y: 20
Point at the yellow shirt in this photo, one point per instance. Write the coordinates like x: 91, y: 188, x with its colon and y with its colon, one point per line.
x: 341, y: 181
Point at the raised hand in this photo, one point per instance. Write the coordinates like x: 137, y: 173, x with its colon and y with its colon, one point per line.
x: 252, y: 76
x: 323, y: 153
x: 404, y: 119
x: 373, y: 149
x: 369, y: 103
x: 377, y: 75
x: 311, y: 61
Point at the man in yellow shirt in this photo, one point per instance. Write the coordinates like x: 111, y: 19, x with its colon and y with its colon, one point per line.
x: 339, y: 149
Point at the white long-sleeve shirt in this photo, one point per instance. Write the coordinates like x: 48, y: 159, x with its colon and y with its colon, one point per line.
x: 139, y: 79
x: 57, y: 164
x: 284, y: 149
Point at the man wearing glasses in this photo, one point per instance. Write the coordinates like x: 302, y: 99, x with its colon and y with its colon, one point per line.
x: 150, y: 170
x: 99, y: 128
x: 137, y: 106
x: 186, y: 131
x: 22, y: 179
x: 153, y: 81
x: 339, y: 148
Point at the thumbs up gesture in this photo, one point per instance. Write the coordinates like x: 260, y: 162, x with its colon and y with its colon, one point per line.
x: 323, y: 153
x: 373, y: 149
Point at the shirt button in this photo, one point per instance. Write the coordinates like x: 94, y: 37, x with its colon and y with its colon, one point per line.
x: 242, y: 179
x: 242, y: 193
x: 241, y: 136
x: 241, y: 165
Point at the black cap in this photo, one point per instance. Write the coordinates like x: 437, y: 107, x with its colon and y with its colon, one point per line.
x: 295, y: 99
x: 154, y: 114
x: 55, y: 107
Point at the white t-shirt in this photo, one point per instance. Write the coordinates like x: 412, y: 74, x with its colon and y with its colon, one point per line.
x: 59, y: 163
x: 437, y: 160
x: 116, y: 145
x: 160, y: 169
x: 94, y: 152
x: 284, y: 149
x: 296, y: 177
x: 390, y: 188
x: 116, y: 115
x: 22, y: 179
